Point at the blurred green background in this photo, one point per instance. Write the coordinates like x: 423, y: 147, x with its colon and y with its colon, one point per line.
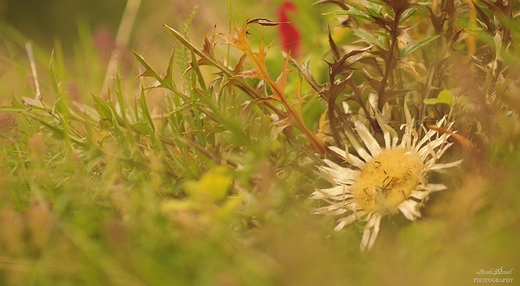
x: 86, y: 31
x: 43, y: 21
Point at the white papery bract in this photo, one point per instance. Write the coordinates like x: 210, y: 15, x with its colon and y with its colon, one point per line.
x: 382, y: 180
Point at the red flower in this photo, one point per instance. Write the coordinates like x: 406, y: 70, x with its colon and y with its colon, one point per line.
x: 290, y: 37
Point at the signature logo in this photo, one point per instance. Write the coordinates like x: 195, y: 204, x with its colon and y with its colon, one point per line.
x: 497, y: 271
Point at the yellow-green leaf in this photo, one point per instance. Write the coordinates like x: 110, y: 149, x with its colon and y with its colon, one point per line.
x: 430, y: 101
x: 229, y: 206
x: 213, y: 186
x: 445, y: 96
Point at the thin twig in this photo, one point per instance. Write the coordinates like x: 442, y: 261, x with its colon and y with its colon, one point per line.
x: 123, y: 34
x: 30, y: 54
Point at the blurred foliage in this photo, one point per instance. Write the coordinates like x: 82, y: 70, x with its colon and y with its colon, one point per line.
x: 44, y: 21
x: 198, y: 172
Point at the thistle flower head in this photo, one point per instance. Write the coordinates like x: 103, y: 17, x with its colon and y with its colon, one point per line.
x: 383, y: 180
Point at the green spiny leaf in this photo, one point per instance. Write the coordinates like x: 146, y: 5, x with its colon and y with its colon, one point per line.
x: 145, y: 111
x: 102, y: 108
x: 368, y: 37
x: 414, y: 46
x: 52, y: 75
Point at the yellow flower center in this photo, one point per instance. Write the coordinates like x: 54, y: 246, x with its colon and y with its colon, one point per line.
x: 387, y: 180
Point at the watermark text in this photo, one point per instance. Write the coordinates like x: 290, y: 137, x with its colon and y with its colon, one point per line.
x: 494, y: 272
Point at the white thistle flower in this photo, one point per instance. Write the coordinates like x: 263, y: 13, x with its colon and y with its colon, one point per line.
x: 383, y: 180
